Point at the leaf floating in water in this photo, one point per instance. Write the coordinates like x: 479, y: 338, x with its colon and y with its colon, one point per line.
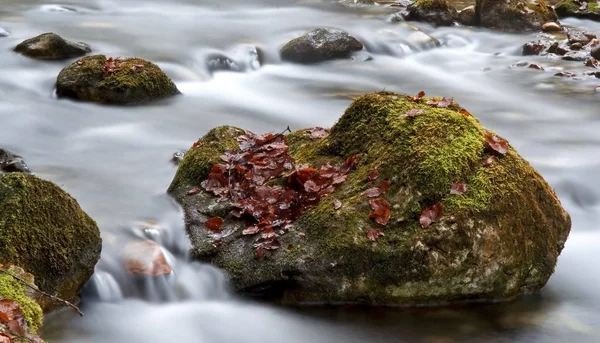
x: 381, y: 211
x: 373, y: 234
x: 458, y: 188
x: 414, y: 112
x: 214, y: 224
x: 431, y: 214
x: 496, y: 143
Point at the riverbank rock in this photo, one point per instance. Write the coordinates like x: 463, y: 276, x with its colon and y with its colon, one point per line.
x: 435, y: 12
x: 320, y: 45
x: 10, y: 163
x: 466, y: 16
x: 513, y: 15
x: 578, y: 9
x: 116, y: 81
x: 50, y: 46
x: 43, y: 230
x: 406, y: 200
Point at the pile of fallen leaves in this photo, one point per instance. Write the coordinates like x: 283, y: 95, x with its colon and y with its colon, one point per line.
x: 112, y: 65
x: 243, y: 179
x: 13, y: 326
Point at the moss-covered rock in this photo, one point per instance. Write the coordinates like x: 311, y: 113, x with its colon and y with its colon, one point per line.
x: 50, y: 46
x: 13, y: 289
x: 499, y: 239
x: 578, y: 9
x: 436, y: 12
x: 320, y: 45
x: 513, y: 15
x: 116, y: 81
x: 43, y: 230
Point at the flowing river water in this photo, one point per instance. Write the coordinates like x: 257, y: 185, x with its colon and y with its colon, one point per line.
x: 115, y: 160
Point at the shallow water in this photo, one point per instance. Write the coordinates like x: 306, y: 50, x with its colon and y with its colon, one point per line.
x: 115, y: 160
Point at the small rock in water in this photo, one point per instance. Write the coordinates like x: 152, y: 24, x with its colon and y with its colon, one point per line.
x: 535, y: 66
x: 575, y: 56
x: 565, y: 74
x: 177, y: 157
x: 145, y: 258
x: 320, y: 45
x: 219, y: 62
x: 596, y: 52
x: 11, y: 163
x: 51, y: 46
x: 551, y: 27
x: 3, y: 33
x: 591, y: 62
x: 536, y: 47
x: 576, y: 46
x: 436, y: 12
x: 466, y: 16
x: 577, y: 36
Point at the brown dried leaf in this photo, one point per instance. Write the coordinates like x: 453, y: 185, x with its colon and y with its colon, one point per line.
x: 431, y: 214
x: 496, y: 143
x: 414, y: 112
x: 214, y: 224
x: 458, y: 188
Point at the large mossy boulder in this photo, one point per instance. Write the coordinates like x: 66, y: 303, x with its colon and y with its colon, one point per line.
x: 43, y: 230
x: 320, y: 45
x: 513, y: 15
x: 50, y: 46
x: 435, y: 12
x: 499, y: 238
x: 578, y: 9
x: 114, y: 81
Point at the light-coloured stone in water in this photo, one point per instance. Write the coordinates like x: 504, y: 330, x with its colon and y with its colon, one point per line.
x: 551, y: 27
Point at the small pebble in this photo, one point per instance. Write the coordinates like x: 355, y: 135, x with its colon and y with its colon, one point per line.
x: 551, y: 27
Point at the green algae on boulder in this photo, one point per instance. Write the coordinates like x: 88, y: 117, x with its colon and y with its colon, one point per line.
x: 51, y: 46
x: 513, y: 15
x: 436, y: 12
x: 115, y: 81
x: 500, y: 238
x: 320, y: 45
x: 43, y: 230
x: 578, y: 9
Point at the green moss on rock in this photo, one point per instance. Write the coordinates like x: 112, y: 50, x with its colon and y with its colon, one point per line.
x: 12, y: 289
x: 134, y: 80
x: 513, y: 15
x: 436, y: 12
x: 44, y: 230
x: 572, y: 8
x: 500, y: 238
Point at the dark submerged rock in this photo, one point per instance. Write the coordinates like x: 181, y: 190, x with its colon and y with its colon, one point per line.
x: 43, y: 230
x: 499, y: 239
x: 52, y: 47
x: 578, y: 9
x: 11, y: 163
x: 436, y: 12
x: 320, y: 45
x: 513, y: 15
x: 131, y: 81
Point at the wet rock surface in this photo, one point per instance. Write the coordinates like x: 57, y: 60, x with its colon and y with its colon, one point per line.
x: 320, y: 45
x: 513, y: 15
x: 115, y: 81
x: 10, y: 162
x: 417, y: 240
x: 51, y: 46
x: 578, y: 9
x: 435, y: 12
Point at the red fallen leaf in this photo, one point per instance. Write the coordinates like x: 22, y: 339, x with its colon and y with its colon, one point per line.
x: 337, y: 179
x: 311, y: 186
x: 431, y: 214
x: 489, y: 161
x: 318, y: 133
x: 196, y: 144
x: 433, y: 102
x: 414, y: 112
x: 372, y: 192
x: 268, y: 233
x: 373, y: 174
x: 352, y: 161
x: 251, y: 230
x: 9, y: 311
x: 373, y: 234
x: 458, y: 188
x: 464, y: 112
x: 418, y: 97
x: 337, y: 204
x: 193, y: 191
x: 301, y: 235
x: 217, y: 244
x: 381, y: 211
x: 496, y: 143
x: 384, y: 186
x: 445, y: 102
x: 145, y: 258
x: 4, y: 338
x: 214, y: 224
x: 260, y: 253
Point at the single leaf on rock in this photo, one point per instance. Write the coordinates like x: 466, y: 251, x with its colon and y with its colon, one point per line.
x: 414, y: 112
x: 214, y: 224
x: 384, y: 186
x: 373, y: 174
x: 445, y: 102
x: 372, y: 192
x: 431, y: 214
x: 193, y: 191
x: 458, y: 188
x: 373, y: 234
x: 381, y: 211
x: 318, y: 133
x: 260, y: 253
x: 464, y: 112
x: 488, y: 161
x: 496, y: 143
x: 337, y: 204
x: 418, y: 97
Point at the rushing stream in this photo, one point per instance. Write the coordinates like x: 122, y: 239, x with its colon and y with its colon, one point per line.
x: 115, y: 160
